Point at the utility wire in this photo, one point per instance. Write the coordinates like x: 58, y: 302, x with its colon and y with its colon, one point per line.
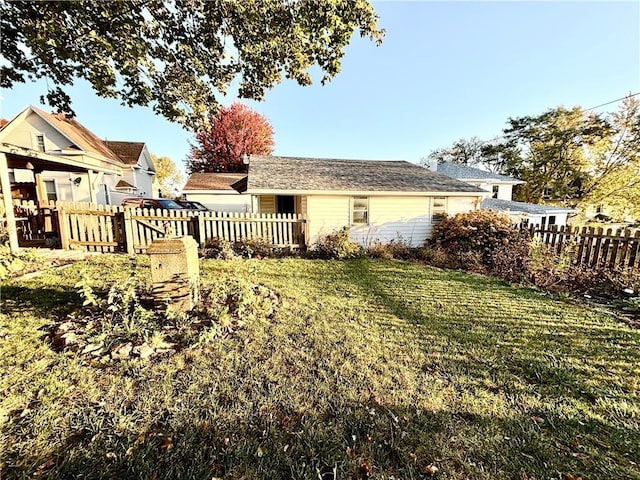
x: 614, y: 101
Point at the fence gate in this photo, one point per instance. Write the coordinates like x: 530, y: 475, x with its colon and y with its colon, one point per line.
x: 96, y: 229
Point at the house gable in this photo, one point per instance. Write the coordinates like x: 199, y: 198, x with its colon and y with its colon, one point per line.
x: 24, y: 129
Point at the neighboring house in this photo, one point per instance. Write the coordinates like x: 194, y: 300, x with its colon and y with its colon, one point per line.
x: 377, y: 200
x: 53, y: 157
x: 501, y: 188
x: 218, y: 191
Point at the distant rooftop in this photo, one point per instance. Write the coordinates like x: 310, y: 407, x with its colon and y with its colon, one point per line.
x: 129, y: 152
x: 522, y: 207
x: 463, y: 172
x: 213, y: 181
x: 329, y: 174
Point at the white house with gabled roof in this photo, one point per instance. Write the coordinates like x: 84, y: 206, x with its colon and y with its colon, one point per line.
x: 378, y: 201
x: 54, y: 157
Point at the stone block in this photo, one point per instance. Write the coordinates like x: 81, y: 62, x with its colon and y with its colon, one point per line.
x: 175, y: 273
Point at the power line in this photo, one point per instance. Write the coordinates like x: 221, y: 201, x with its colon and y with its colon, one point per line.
x: 614, y: 101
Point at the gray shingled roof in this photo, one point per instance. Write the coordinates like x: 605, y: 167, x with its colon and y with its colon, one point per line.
x: 462, y: 172
x: 533, y: 208
x: 328, y: 174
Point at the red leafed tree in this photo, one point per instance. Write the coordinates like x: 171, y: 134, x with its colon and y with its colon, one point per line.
x: 235, y: 131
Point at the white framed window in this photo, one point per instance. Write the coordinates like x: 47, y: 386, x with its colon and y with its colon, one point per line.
x: 40, y: 142
x: 359, y: 210
x: 51, y: 190
x: 438, y: 209
x: 495, y: 189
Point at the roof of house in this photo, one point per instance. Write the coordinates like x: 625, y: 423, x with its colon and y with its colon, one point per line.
x: 522, y: 207
x: 124, y: 184
x: 129, y: 152
x: 328, y: 174
x: 213, y: 181
x: 78, y: 134
x: 463, y: 172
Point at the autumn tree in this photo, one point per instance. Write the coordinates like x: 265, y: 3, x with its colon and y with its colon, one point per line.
x: 168, y: 177
x: 235, y: 131
x: 177, y: 56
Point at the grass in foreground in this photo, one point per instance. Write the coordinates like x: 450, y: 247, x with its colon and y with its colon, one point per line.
x: 370, y: 369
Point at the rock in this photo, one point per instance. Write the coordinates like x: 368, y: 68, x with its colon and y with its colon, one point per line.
x: 143, y: 351
x: 69, y: 339
x: 94, y: 349
x: 65, y: 327
x: 122, y: 351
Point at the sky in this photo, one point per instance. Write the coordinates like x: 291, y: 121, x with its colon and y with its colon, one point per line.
x: 446, y: 70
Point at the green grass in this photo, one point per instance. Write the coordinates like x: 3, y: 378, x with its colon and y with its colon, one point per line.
x: 369, y: 366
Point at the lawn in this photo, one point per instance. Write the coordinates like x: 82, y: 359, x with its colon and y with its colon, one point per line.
x: 370, y: 369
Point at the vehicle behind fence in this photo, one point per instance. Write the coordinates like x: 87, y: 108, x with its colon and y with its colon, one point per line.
x: 110, y: 228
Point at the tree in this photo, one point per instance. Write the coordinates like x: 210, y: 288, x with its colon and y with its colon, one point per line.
x: 614, y: 176
x: 176, y: 55
x: 168, y: 177
x: 235, y: 131
x: 463, y: 152
x: 549, y: 151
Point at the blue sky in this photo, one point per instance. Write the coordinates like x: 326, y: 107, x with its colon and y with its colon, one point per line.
x: 444, y: 71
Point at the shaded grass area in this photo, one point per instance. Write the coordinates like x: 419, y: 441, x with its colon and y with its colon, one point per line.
x: 371, y: 369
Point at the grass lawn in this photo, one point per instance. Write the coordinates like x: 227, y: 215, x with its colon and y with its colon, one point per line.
x: 370, y: 369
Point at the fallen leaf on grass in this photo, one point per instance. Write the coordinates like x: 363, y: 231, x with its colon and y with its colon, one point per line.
x: 166, y: 444
x: 42, y: 468
x: 430, y: 469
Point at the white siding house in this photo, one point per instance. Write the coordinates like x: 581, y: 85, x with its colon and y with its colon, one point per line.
x: 378, y: 201
x: 501, y: 188
x: 53, y: 157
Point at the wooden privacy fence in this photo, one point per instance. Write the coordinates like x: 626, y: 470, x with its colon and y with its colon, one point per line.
x: 595, y: 247
x: 117, y: 229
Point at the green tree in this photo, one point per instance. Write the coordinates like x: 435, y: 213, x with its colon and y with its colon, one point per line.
x: 168, y: 177
x: 176, y: 55
x: 549, y: 151
x: 614, y: 174
x: 463, y: 152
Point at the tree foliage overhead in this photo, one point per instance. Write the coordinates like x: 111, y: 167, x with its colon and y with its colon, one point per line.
x: 168, y: 177
x: 176, y: 55
x: 235, y: 131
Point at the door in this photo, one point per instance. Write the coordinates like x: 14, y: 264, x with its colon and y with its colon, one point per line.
x: 286, y: 204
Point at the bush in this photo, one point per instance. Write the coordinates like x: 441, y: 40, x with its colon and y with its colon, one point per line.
x: 480, y: 232
x: 221, y: 249
x: 336, y: 246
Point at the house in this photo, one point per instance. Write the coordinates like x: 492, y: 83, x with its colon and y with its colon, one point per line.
x: 377, y: 200
x: 218, y: 191
x: 53, y: 157
x: 501, y: 188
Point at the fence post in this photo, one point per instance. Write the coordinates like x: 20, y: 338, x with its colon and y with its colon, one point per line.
x: 197, y: 227
x: 128, y: 231
x: 63, y: 222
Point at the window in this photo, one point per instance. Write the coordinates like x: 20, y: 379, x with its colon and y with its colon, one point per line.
x: 360, y: 210
x: 50, y: 189
x: 547, y: 192
x: 495, y: 191
x: 40, y: 142
x: 552, y: 219
x: 438, y: 209
x: 543, y: 221
x: 12, y: 176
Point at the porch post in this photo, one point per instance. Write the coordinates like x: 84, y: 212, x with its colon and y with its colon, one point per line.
x: 92, y: 193
x: 8, y: 204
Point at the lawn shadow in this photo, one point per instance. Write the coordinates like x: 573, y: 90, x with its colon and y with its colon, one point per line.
x: 343, y: 441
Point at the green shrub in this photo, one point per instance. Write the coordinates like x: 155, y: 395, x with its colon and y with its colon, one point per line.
x: 337, y: 246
